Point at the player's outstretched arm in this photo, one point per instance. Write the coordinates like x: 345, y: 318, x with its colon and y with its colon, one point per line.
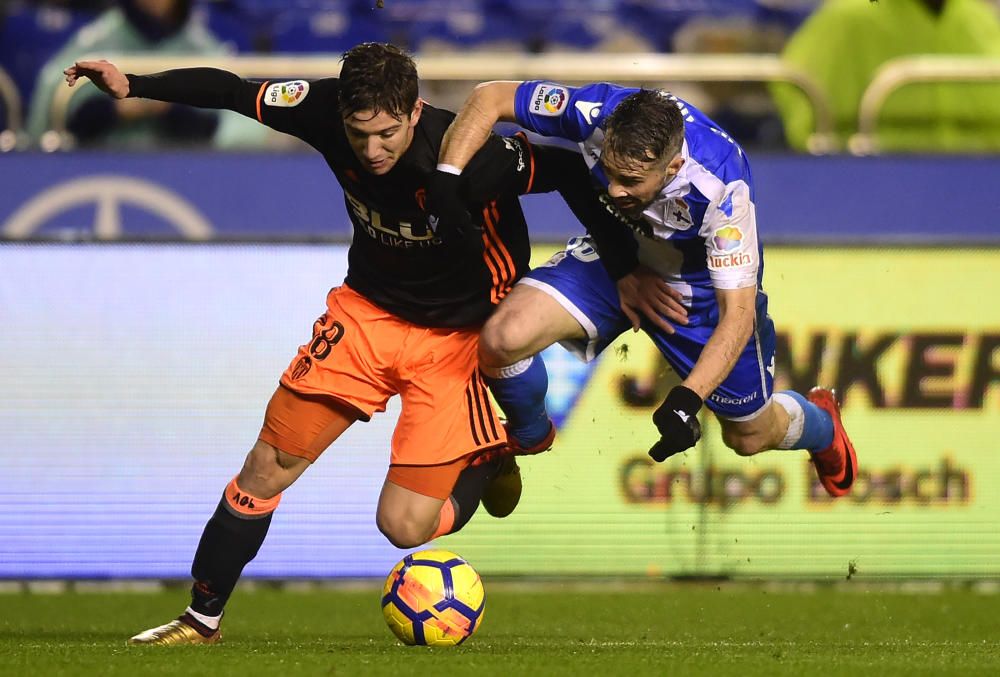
x: 489, y: 103
x: 199, y: 87
x: 104, y: 74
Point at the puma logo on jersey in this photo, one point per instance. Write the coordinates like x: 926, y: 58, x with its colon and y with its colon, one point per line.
x: 589, y: 110
x: 515, y: 147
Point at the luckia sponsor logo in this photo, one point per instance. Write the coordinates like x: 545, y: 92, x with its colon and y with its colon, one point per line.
x: 728, y: 240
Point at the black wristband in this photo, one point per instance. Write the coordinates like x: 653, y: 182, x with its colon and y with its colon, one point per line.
x: 135, y: 85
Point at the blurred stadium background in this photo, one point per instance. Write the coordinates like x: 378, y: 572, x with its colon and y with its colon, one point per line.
x: 150, y: 295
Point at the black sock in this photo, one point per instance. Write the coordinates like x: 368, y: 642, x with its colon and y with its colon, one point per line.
x: 227, y: 545
x: 468, y: 490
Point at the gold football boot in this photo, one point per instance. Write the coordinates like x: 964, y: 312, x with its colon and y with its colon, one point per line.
x: 502, y: 493
x: 174, y: 633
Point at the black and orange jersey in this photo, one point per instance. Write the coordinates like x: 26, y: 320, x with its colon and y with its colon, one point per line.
x: 398, y: 258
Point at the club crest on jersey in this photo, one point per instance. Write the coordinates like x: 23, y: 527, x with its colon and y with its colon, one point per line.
x: 549, y: 100
x: 286, y: 94
x: 726, y: 206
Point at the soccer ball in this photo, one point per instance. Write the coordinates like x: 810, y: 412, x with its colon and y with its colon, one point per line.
x: 433, y: 598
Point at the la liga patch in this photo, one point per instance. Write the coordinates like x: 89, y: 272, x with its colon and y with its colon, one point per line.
x: 549, y: 100
x: 286, y: 94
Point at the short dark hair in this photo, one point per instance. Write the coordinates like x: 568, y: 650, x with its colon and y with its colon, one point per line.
x: 377, y: 77
x: 644, y: 127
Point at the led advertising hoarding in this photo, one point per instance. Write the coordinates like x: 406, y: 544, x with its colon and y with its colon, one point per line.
x: 133, y: 379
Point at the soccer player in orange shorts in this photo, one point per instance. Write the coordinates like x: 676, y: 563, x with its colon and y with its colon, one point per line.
x: 420, y: 284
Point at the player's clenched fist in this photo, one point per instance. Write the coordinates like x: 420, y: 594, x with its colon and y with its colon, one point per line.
x: 105, y: 75
x: 677, y: 421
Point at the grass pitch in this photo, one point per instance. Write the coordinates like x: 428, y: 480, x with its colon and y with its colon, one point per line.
x: 594, y: 629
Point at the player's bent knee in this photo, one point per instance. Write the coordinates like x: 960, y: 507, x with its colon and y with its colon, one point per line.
x: 404, y: 533
x: 743, y: 445
x: 500, y: 345
x: 401, y: 528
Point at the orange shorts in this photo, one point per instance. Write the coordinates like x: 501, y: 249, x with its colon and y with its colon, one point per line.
x: 436, y: 481
x: 361, y: 355
x: 305, y: 425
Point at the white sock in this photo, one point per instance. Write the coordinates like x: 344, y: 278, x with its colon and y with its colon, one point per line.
x: 509, y: 371
x: 796, y: 420
x: 208, y: 621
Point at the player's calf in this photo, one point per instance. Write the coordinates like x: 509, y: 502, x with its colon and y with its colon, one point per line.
x: 268, y: 471
x: 231, y: 539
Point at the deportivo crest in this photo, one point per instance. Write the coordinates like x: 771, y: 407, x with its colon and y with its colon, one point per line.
x: 286, y: 94
x: 549, y: 100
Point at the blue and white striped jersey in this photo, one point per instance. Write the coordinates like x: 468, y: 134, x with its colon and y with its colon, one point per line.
x: 701, y: 232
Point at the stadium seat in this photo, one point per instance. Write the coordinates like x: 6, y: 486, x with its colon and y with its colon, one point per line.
x: 229, y: 22
x: 789, y: 14
x: 572, y: 25
x: 658, y: 20
x: 30, y: 36
x: 466, y: 26
x: 330, y: 27
x: 3, y: 116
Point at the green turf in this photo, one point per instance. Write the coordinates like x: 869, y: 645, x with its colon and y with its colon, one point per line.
x: 543, y: 630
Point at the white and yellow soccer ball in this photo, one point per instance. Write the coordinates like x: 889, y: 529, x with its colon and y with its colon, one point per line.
x: 433, y: 598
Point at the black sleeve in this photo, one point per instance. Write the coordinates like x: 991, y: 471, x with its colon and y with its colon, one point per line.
x: 301, y: 108
x: 563, y: 170
x: 512, y: 163
x: 504, y: 164
x: 615, y: 240
x: 199, y: 87
x: 560, y: 169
